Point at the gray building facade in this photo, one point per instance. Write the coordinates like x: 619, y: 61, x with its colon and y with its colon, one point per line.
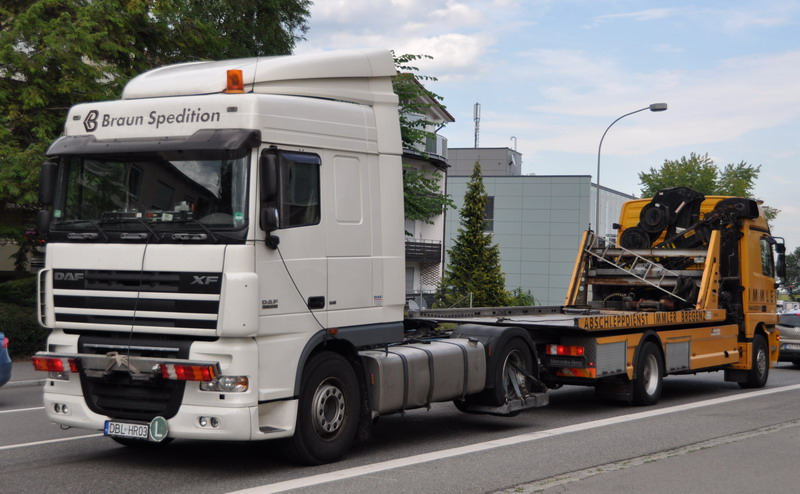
x: 537, y: 221
x: 494, y: 161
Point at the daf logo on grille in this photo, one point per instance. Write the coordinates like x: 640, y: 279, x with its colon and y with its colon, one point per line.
x: 204, y: 280
x: 77, y: 276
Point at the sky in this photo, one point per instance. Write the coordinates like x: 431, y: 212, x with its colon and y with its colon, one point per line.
x: 554, y: 74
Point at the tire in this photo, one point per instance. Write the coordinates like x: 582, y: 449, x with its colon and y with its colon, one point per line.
x: 759, y: 372
x: 328, y: 411
x: 649, y: 375
x: 514, y: 353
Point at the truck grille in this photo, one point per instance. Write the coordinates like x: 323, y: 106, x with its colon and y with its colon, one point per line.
x: 136, y: 298
x: 118, y: 395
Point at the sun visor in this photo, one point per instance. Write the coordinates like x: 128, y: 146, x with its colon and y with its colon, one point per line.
x: 202, y: 140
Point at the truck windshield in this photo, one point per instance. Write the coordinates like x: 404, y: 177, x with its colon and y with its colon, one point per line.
x: 152, y: 193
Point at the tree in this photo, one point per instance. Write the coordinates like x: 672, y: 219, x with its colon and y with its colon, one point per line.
x: 701, y: 174
x: 56, y: 53
x: 474, y: 260
x: 423, y: 197
x: 792, y: 281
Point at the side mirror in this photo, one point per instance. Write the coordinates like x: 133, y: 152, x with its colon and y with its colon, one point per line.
x: 269, y: 222
x: 43, y: 218
x: 47, y: 182
x: 780, y: 260
x: 268, y: 171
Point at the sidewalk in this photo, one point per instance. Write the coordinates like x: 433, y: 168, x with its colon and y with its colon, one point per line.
x: 23, y: 374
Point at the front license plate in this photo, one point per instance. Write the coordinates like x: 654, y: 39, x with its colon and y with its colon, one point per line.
x: 123, y: 429
x: 790, y: 346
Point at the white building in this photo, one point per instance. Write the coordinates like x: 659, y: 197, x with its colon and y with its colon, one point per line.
x: 424, y: 253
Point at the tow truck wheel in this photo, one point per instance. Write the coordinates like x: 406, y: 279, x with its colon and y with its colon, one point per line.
x: 327, y: 417
x: 759, y: 372
x: 649, y: 377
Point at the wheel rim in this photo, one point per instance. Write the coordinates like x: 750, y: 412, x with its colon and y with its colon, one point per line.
x: 650, y: 375
x: 511, y: 373
x: 761, y: 361
x: 328, y: 408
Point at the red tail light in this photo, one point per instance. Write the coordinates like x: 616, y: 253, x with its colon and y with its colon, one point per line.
x: 181, y: 372
x: 5, y: 342
x: 568, y: 350
x: 55, y: 364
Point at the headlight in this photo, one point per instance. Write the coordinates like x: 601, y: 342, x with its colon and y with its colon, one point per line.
x: 226, y: 384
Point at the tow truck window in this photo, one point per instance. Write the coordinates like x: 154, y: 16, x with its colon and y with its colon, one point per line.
x: 767, y: 265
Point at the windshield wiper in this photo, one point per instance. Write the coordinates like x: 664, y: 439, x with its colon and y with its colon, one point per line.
x: 193, y: 236
x: 124, y: 236
x: 86, y: 235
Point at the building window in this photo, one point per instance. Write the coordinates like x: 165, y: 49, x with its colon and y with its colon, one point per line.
x: 488, y: 215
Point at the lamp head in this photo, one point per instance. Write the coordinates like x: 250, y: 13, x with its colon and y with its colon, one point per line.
x: 658, y: 107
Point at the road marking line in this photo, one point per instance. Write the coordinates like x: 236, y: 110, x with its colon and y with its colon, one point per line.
x: 49, y: 441
x: 21, y: 410
x: 580, y: 475
x: 498, y: 443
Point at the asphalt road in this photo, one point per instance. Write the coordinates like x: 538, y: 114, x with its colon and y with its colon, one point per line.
x: 705, y: 436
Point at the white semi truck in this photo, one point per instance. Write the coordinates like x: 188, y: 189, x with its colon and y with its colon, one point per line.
x: 225, y: 261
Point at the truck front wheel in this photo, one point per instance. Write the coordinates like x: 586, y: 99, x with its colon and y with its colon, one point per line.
x: 649, y: 376
x: 327, y: 417
x: 759, y: 370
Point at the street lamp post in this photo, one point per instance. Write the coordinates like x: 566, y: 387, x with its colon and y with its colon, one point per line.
x: 654, y: 107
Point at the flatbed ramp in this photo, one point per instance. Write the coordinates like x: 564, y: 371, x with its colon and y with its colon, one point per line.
x: 571, y: 318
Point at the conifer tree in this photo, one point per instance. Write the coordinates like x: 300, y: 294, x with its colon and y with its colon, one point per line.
x: 474, y: 260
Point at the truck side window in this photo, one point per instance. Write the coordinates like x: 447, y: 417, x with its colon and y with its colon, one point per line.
x: 298, y: 196
x: 767, y: 265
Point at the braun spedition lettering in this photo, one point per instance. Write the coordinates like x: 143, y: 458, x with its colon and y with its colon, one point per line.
x: 95, y: 119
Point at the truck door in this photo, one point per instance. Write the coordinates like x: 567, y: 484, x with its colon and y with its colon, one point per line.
x: 293, y: 275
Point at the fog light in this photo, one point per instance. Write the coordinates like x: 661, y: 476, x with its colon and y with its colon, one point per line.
x: 65, y: 409
x: 57, y: 407
x: 214, y: 422
x: 203, y: 422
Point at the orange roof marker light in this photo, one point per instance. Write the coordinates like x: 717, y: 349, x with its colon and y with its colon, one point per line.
x: 235, y: 81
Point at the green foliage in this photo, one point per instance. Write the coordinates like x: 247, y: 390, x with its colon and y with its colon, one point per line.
x: 414, y: 100
x: 521, y: 298
x: 474, y: 260
x: 792, y: 281
x: 18, y: 317
x: 56, y: 53
x: 423, y: 197
x: 701, y: 174
x: 20, y: 292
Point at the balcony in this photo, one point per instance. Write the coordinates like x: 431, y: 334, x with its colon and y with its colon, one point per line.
x: 423, y: 250
x: 434, y: 149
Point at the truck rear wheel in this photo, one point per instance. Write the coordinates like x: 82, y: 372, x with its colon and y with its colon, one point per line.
x: 328, y: 413
x: 509, y: 375
x: 649, y: 375
x: 759, y: 371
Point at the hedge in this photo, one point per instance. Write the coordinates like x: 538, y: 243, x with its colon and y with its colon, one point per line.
x: 18, y: 318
